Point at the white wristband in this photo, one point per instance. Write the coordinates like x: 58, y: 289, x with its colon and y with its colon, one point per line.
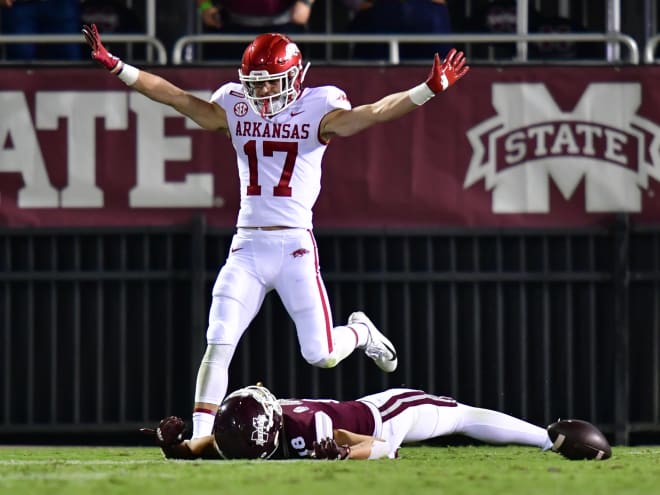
x: 128, y: 74
x: 420, y: 94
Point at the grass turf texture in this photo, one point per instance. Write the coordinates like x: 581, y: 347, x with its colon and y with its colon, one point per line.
x: 420, y: 470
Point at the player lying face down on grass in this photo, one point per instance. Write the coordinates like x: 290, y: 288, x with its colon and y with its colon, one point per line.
x: 280, y: 131
x: 252, y: 424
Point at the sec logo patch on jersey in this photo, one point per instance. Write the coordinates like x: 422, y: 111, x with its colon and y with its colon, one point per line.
x: 240, y: 109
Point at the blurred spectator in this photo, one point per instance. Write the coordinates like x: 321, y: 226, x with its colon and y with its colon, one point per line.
x: 401, y: 17
x: 114, y: 17
x: 494, y: 17
x: 41, y: 17
x: 111, y: 16
x: 562, y: 50
x: 500, y: 16
x: 250, y: 17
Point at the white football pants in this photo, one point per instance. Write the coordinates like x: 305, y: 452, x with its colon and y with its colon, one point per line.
x: 259, y: 261
x: 406, y: 415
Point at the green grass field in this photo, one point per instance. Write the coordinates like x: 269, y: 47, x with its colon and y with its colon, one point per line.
x: 452, y: 470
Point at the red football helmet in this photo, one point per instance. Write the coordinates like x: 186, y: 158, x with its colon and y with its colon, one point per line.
x: 272, y: 57
x: 248, y: 424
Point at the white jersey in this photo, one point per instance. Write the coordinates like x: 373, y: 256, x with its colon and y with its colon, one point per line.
x: 279, y: 157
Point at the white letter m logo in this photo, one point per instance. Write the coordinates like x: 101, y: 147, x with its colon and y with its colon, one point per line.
x: 531, y: 140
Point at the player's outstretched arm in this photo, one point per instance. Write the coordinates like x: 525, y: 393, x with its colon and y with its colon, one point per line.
x: 196, y: 448
x: 443, y: 75
x: 205, y: 114
x: 168, y: 435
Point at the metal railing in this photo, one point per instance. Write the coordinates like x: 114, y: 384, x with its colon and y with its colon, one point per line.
x: 649, y: 50
x: 539, y: 323
x: 395, y: 40
x: 150, y: 41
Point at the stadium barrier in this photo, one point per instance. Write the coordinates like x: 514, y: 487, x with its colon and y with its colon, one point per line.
x: 394, y: 40
x: 150, y: 41
x: 181, y: 54
x: 542, y: 305
x: 650, y: 48
x: 103, y: 328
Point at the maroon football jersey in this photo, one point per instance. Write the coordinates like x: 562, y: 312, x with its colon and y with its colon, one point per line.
x: 306, y: 421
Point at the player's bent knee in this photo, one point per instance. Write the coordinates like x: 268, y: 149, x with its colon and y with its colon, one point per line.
x: 318, y: 357
x: 220, y: 332
x: 328, y: 362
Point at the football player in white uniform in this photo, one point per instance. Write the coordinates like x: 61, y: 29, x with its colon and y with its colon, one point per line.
x: 280, y: 131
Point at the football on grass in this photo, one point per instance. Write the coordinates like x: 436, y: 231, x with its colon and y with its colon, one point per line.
x: 576, y: 439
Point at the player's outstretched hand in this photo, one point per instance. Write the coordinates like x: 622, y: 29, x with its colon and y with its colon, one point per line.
x: 444, y: 74
x: 99, y: 52
x: 169, y: 431
x: 327, y: 448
